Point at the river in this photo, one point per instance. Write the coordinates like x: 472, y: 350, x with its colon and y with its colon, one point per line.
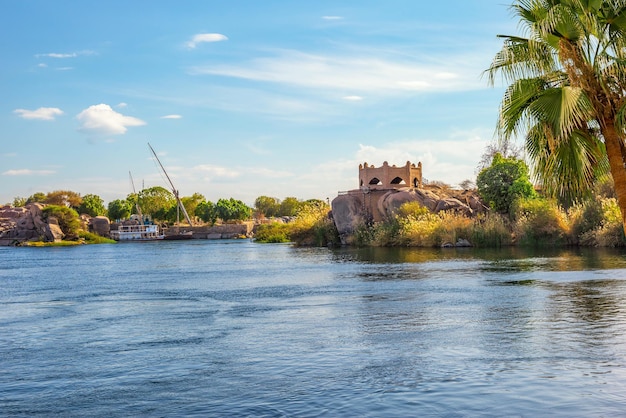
x: 235, y: 328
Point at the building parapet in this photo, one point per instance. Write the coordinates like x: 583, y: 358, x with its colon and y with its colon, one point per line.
x: 390, y: 177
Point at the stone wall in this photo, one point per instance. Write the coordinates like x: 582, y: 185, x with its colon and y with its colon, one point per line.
x: 225, y: 231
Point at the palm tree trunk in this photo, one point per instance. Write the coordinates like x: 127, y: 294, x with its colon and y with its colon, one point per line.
x: 614, y: 146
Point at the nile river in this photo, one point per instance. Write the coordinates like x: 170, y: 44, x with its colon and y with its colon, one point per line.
x: 234, y: 328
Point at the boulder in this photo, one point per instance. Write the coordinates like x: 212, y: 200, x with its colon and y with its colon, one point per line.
x: 356, y: 207
x: 348, y: 214
x: 391, y: 201
x: 428, y: 198
x: 100, y: 225
x: 453, y: 204
x: 54, y: 233
x: 27, y: 224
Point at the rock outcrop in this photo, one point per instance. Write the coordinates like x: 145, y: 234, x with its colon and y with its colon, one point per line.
x: 355, y: 208
x: 27, y: 223
x: 100, y: 225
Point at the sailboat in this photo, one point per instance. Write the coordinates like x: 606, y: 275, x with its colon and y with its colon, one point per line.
x: 179, y: 207
x: 143, y: 230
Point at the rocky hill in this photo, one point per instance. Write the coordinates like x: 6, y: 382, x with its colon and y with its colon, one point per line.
x: 358, y: 207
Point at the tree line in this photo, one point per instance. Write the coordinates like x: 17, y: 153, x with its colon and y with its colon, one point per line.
x: 160, y: 204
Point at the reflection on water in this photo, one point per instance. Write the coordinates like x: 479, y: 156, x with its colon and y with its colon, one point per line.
x: 241, y: 329
x: 506, y: 258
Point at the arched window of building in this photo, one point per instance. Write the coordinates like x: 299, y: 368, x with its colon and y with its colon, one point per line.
x: 398, y: 180
x: 375, y: 182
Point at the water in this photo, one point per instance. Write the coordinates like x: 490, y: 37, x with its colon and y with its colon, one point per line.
x: 206, y: 328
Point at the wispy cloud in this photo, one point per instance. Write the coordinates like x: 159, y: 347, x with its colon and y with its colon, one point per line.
x: 43, y: 113
x: 332, y: 17
x: 358, y: 73
x: 59, y: 55
x: 28, y: 172
x: 102, y: 119
x: 171, y: 117
x: 353, y: 98
x: 212, y: 171
x: 205, y: 37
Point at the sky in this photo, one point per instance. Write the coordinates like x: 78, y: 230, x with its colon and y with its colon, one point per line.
x: 243, y: 98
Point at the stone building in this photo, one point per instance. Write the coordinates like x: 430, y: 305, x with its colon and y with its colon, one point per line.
x: 382, y: 190
x: 388, y: 177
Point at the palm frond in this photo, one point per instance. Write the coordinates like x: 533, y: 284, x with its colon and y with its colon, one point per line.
x: 564, y: 109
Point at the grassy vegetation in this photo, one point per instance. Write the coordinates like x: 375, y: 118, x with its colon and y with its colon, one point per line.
x: 91, y: 238
x: 531, y: 222
x: 83, y: 237
x: 311, y: 227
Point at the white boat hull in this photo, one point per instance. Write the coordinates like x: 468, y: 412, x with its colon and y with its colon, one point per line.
x: 136, y: 233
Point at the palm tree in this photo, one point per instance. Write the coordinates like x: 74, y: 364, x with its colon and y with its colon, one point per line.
x: 567, y: 92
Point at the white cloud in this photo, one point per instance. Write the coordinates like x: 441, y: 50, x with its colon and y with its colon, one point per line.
x: 171, y: 117
x: 450, y: 160
x: 43, y: 113
x: 358, y: 73
x: 353, y: 98
x: 57, y: 55
x: 27, y: 172
x: 122, y: 105
x: 103, y: 119
x: 64, y: 55
x: 332, y: 17
x: 268, y: 173
x: 205, y: 37
x: 215, y: 171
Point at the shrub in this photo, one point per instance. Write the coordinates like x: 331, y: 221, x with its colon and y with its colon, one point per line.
x: 67, y: 218
x: 311, y: 227
x: 414, y: 209
x: 420, y: 231
x: 314, y: 227
x: 453, y: 227
x: 539, y: 222
x: 491, y: 231
x: 91, y: 238
x: 585, y: 217
x: 274, y: 232
x: 504, y: 181
x: 610, y: 231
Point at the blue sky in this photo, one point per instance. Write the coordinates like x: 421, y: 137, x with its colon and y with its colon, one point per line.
x: 243, y: 98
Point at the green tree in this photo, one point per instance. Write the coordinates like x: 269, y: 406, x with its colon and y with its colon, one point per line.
x: 156, y: 201
x: 119, y: 209
x: 505, y: 180
x: 289, y: 206
x: 64, y: 198
x: 67, y: 218
x: 567, y: 92
x: 19, y: 201
x: 191, y: 203
x: 92, y: 205
x: 207, y: 212
x: 267, y: 206
x: 232, y: 209
x: 38, y: 197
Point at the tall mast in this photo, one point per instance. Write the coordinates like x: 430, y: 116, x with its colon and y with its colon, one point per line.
x: 178, y: 201
x: 136, y: 197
